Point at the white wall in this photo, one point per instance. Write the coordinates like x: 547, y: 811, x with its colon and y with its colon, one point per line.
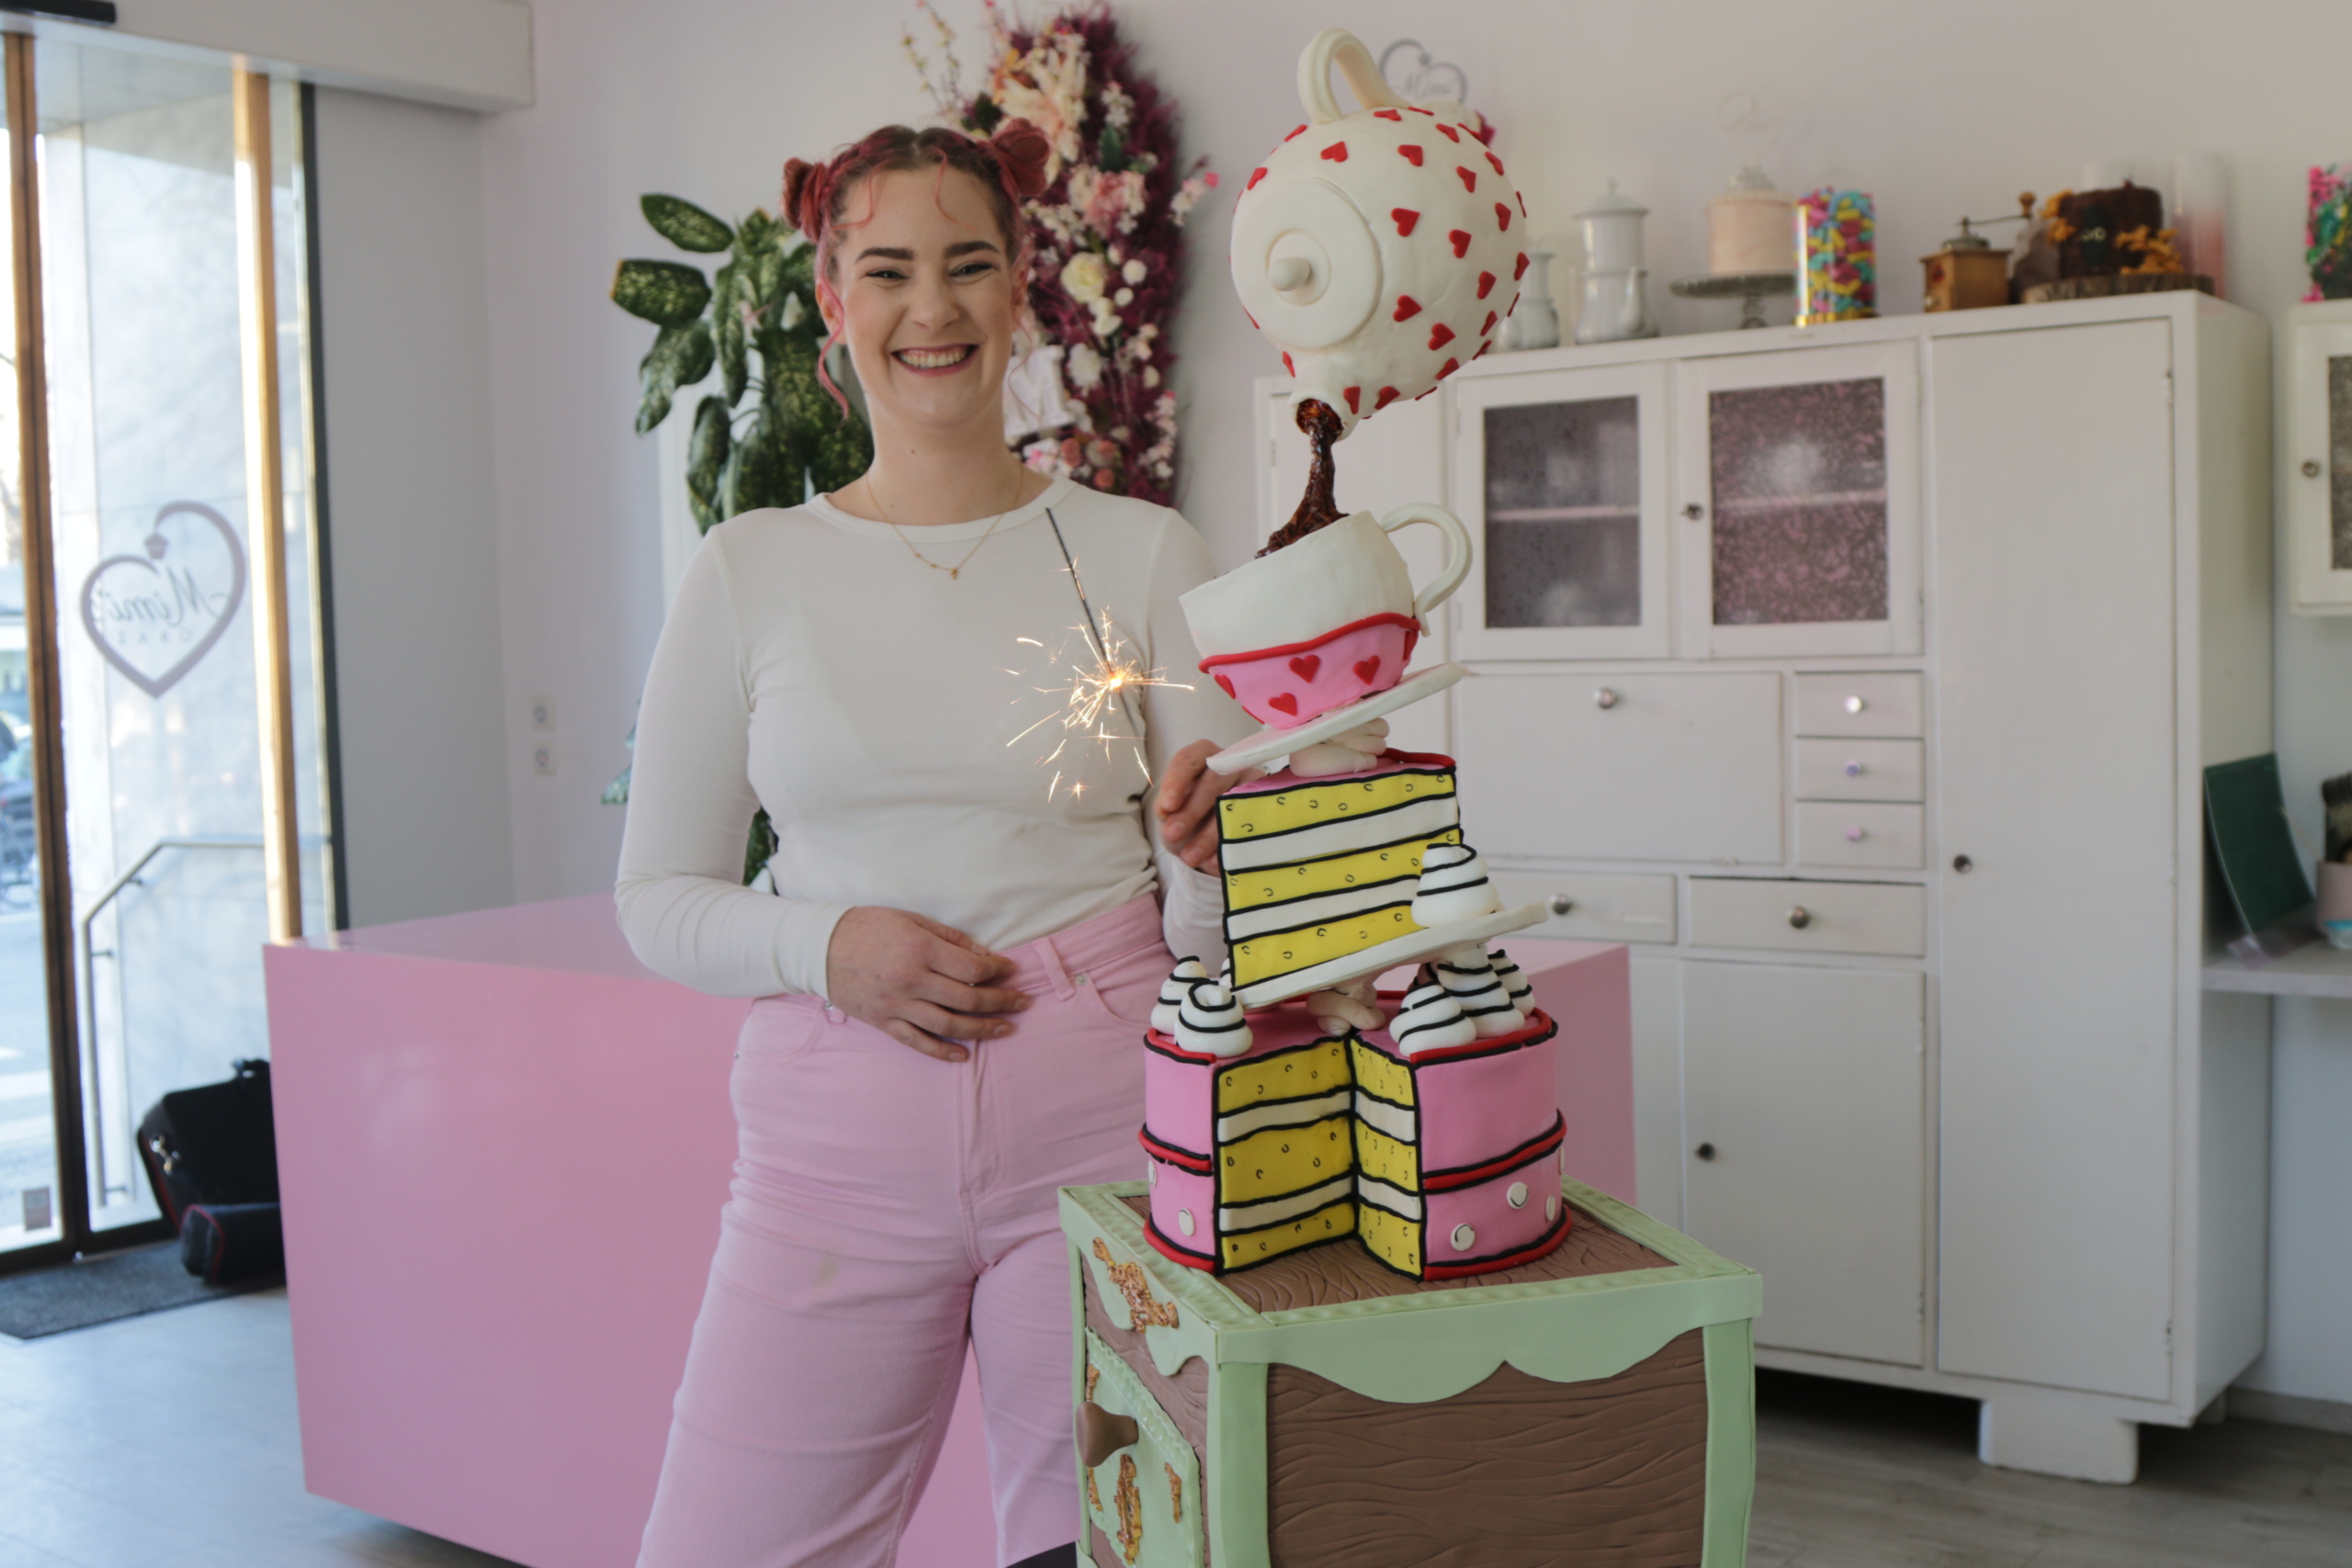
x: 707, y: 97
x: 410, y: 527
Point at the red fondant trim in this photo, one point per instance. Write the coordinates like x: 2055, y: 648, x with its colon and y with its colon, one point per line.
x: 1385, y: 618
x: 1496, y: 1265
x: 1168, y: 1154
x: 1175, y: 1253
x: 1535, y: 1148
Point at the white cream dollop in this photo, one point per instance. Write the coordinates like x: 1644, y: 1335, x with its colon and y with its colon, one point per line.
x: 1515, y: 982
x: 1211, y: 1021
x: 1430, y: 1020
x: 1470, y: 980
x: 1172, y: 993
x: 1453, y: 887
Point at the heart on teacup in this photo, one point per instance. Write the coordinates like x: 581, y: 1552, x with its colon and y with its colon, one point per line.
x: 156, y: 615
x: 1306, y: 665
x: 1367, y: 667
x: 1283, y: 701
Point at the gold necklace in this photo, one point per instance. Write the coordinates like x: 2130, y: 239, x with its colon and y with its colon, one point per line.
x: 957, y: 570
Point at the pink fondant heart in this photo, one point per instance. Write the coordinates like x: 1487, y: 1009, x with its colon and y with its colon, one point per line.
x: 1367, y: 667
x: 1306, y: 665
x: 1225, y: 683
x: 1283, y: 701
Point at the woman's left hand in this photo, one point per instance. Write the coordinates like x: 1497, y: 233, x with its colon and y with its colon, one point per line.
x: 1187, y: 803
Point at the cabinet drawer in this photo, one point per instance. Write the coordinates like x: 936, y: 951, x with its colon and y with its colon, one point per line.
x: 1615, y: 767
x: 1884, y: 701
x: 1838, y: 917
x: 1600, y: 908
x: 1861, y: 769
x: 1832, y: 832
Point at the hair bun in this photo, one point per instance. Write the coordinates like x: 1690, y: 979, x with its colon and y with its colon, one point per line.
x: 1022, y: 149
x: 803, y: 208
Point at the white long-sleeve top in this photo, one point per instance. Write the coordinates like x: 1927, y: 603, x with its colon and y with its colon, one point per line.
x: 907, y: 733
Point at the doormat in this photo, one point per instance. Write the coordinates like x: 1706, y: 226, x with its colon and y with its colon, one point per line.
x: 112, y: 1285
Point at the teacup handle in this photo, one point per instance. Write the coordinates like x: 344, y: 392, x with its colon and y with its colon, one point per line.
x: 1457, y: 554
x: 1337, y: 45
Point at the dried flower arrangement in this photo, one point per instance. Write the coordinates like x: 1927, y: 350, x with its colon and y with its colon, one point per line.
x: 1108, y: 231
x: 2327, y: 233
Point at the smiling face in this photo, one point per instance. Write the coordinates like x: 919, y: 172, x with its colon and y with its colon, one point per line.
x: 925, y: 297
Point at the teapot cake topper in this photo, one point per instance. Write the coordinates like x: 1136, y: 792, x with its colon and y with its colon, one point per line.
x: 1379, y: 250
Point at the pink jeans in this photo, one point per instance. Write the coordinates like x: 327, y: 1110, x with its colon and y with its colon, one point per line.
x: 886, y: 1207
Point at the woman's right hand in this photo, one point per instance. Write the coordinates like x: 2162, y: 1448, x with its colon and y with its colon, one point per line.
x: 924, y: 985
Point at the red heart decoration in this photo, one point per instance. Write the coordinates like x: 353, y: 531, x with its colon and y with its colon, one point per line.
x: 1486, y: 284
x: 1439, y: 335
x: 1351, y: 394
x: 1306, y: 665
x: 1296, y: 132
x: 1225, y: 683
x: 1489, y: 326
x: 1386, y: 114
x: 1502, y: 216
x: 1286, y: 367
x: 1283, y: 701
x: 1522, y: 202
x: 1461, y: 238
x: 1450, y: 366
x: 1387, y: 395
x: 1406, y: 308
x: 1366, y: 669
x: 1337, y: 153
x: 1498, y: 162
x: 1410, y: 154
x: 1520, y: 270
x: 1469, y: 178
x: 1406, y: 218
x: 1448, y: 132
x: 1255, y: 176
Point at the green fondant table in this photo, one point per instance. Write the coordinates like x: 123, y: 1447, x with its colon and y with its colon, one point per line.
x: 1594, y: 1408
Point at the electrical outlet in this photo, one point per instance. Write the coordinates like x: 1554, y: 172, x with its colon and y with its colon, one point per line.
x: 543, y: 761
x: 37, y: 1209
x: 543, y: 713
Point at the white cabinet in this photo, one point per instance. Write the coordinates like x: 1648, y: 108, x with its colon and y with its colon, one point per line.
x: 1887, y: 751
x: 1807, y: 1147
x: 2319, y: 483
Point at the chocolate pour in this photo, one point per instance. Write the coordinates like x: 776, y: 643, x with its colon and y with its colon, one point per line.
x: 1316, y: 508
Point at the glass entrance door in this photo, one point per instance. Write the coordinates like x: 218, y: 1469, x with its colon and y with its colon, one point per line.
x: 151, y: 534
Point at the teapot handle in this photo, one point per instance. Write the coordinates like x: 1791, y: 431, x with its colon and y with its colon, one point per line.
x: 1457, y: 554
x: 1355, y: 63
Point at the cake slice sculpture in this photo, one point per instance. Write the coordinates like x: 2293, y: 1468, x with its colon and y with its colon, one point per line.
x: 1288, y: 1103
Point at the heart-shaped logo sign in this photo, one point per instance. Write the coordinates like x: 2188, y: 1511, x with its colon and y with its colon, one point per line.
x: 156, y: 615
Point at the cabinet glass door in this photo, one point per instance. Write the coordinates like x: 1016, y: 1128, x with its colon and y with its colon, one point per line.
x: 1560, y: 477
x: 2321, y: 483
x: 1799, y: 482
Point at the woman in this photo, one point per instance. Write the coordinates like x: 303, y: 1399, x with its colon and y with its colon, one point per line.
x: 974, y: 907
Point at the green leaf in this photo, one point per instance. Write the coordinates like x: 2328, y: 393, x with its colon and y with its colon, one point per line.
x: 617, y: 792
x: 683, y: 224
x: 679, y: 357
x: 707, y: 450
x: 767, y: 275
x: 757, y: 850
x: 727, y: 316
x: 985, y: 115
x: 756, y: 232
x: 668, y: 294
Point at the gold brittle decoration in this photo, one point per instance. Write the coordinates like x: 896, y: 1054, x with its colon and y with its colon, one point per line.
x: 1175, y: 1493
x: 1093, y: 1496
x: 1143, y: 1311
x: 1093, y: 1376
x: 1130, y: 1500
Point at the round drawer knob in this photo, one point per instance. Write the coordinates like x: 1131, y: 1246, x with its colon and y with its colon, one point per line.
x: 1465, y: 1238
x: 1604, y: 698
x: 1855, y: 704
x: 1102, y: 1434
x: 1853, y: 833
x: 1560, y: 903
x: 1517, y: 1195
x: 1706, y: 1151
x: 1963, y: 864
x: 1800, y: 917
x: 2311, y: 470
x: 1693, y: 511
x: 1853, y: 770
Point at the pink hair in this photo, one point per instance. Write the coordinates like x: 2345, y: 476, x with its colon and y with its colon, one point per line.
x: 1010, y: 165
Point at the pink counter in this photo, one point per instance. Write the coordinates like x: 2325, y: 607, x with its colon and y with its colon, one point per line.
x: 503, y: 1146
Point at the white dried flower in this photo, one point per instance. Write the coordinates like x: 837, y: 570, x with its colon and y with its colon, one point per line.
x: 1151, y: 375
x: 1083, y: 277
x: 1134, y: 271
x: 1085, y: 366
x: 1123, y: 298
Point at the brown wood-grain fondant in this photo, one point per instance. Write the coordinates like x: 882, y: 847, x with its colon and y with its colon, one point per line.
x: 1345, y: 1271
x: 1516, y: 1473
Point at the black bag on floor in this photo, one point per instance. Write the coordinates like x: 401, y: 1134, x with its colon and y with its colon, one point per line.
x: 222, y: 1243
x: 212, y: 1145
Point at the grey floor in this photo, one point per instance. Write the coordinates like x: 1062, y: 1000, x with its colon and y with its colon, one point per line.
x: 169, y: 1441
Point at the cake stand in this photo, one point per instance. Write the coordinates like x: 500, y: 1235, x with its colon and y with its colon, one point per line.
x: 1750, y: 288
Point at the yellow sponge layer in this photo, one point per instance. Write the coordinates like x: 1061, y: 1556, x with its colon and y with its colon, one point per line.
x: 1327, y: 1224
x: 1283, y: 1159
x: 1310, y: 804
x: 1305, y: 879
x: 1382, y: 1076
x: 1395, y: 1241
x: 1270, y: 957
x: 1382, y: 1158
x: 1317, y: 1069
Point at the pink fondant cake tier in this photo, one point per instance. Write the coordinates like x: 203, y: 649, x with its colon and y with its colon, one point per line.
x: 1285, y: 686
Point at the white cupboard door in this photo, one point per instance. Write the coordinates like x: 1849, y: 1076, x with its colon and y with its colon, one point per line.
x: 2320, y: 459
x: 2053, y: 574
x: 1561, y: 475
x: 1797, y: 490
x: 1377, y: 469
x: 1803, y: 1128
x: 1615, y: 766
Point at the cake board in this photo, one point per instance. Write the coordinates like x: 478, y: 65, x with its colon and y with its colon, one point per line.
x: 1427, y: 941
x: 1270, y: 742
x: 1595, y: 1407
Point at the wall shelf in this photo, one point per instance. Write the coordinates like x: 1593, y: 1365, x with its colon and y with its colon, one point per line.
x: 2316, y: 970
